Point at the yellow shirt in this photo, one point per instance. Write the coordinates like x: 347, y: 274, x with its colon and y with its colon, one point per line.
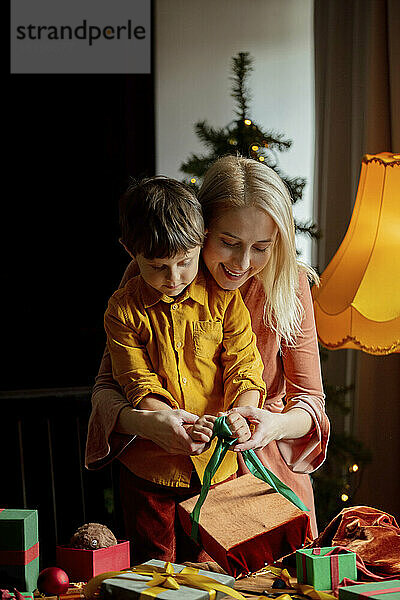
x: 197, y: 351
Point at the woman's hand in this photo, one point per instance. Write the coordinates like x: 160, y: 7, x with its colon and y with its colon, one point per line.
x: 163, y: 427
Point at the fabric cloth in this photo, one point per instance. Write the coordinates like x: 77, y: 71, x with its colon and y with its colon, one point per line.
x: 291, y: 373
x: 293, y: 378
x: 151, y: 522
x: 372, y: 534
x: 197, y: 351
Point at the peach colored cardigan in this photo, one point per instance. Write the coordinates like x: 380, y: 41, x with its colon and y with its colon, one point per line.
x: 290, y: 373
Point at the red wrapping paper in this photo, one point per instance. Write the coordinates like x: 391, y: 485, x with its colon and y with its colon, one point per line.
x: 82, y: 565
x: 19, y: 557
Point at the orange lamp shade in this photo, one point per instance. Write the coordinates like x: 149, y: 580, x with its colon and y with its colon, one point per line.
x: 358, y: 302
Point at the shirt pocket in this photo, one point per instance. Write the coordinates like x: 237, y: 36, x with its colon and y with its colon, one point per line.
x: 207, y: 338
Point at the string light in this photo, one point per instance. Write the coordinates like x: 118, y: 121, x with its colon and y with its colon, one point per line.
x: 193, y: 180
x: 261, y: 158
x: 353, y: 468
x: 232, y: 141
x: 254, y: 148
x: 344, y: 497
x: 247, y: 122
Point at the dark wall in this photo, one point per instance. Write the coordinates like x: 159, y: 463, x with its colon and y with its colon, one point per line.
x: 74, y: 142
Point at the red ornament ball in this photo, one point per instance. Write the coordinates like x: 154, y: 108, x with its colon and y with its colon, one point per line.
x: 52, y: 581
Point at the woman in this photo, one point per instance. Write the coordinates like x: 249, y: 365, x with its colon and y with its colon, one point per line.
x: 250, y: 245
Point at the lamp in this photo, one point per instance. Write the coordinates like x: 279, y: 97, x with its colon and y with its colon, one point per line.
x: 358, y: 302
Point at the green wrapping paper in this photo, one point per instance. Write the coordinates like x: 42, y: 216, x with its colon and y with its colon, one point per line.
x: 325, y: 568
x: 19, y: 548
x: 253, y: 463
x: 381, y: 590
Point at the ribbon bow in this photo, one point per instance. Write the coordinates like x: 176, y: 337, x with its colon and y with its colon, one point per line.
x: 166, y: 579
x: 162, y: 578
x: 224, y: 436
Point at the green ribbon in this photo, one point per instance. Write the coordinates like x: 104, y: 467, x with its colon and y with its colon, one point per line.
x: 224, y: 441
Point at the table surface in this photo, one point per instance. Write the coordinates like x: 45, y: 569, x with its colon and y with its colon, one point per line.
x: 251, y: 587
x: 254, y: 585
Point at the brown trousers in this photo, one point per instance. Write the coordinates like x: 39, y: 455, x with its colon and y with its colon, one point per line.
x: 151, y: 520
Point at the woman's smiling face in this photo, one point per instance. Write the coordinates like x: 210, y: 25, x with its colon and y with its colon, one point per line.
x: 238, y: 245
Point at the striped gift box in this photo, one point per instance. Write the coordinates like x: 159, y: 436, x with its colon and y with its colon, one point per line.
x: 19, y: 548
x: 381, y: 590
x: 324, y: 568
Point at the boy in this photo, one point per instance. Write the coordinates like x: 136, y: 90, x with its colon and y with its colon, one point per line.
x: 177, y: 340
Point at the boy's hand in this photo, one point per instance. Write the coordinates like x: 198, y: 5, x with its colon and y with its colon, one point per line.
x: 202, y: 430
x: 238, y: 426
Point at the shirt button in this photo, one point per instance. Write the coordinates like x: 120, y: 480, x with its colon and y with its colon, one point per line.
x: 184, y: 380
x: 174, y: 306
x: 178, y: 345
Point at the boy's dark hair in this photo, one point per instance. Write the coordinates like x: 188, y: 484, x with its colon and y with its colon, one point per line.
x: 160, y: 217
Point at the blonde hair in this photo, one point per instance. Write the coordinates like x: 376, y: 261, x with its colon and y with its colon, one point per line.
x: 237, y: 182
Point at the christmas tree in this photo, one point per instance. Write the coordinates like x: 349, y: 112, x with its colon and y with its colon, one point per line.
x: 245, y: 137
x: 336, y: 481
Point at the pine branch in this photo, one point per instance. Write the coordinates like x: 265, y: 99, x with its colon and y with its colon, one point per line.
x: 242, y: 65
x: 209, y: 135
x: 197, y: 165
x: 295, y: 186
x: 308, y: 228
x: 253, y: 135
x: 275, y: 140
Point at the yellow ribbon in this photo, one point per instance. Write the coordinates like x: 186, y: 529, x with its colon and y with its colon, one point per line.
x: 164, y: 578
x: 281, y: 597
x: 305, y: 590
x: 308, y: 590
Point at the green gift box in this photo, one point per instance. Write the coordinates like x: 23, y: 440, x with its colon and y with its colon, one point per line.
x: 19, y: 549
x: 381, y: 590
x: 325, y: 568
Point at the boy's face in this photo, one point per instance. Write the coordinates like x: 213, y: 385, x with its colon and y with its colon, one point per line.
x: 170, y: 276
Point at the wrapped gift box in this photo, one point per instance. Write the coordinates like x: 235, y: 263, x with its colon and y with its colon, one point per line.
x: 132, y: 585
x: 82, y: 565
x: 19, y: 549
x: 382, y: 590
x: 245, y: 524
x: 325, y: 568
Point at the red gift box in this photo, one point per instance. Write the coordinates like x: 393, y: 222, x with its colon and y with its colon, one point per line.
x: 245, y: 524
x: 82, y: 565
